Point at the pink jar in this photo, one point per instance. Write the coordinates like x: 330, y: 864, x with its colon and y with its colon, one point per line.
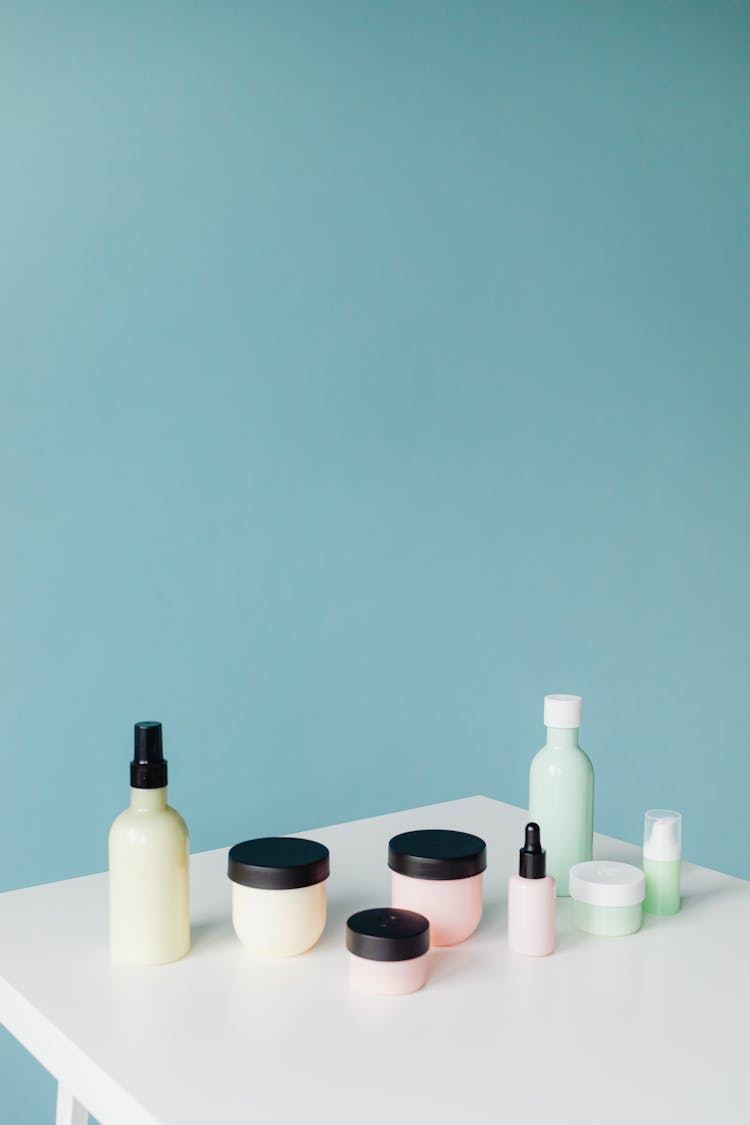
x: 387, y: 950
x: 438, y: 873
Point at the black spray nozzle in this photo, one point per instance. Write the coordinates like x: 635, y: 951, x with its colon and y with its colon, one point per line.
x: 148, y: 745
x: 148, y: 770
x: 532, y: 861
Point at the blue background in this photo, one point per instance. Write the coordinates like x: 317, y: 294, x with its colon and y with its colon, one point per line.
x: 368, y: 371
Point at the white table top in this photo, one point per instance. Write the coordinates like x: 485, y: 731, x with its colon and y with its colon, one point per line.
x: 650, y: 1028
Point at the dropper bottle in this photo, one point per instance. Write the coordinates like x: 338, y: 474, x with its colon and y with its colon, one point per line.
x: 531, y: 900
x: 149, y: 915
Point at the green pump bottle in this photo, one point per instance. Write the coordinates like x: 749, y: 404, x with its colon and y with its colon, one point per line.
x: 662, y: 851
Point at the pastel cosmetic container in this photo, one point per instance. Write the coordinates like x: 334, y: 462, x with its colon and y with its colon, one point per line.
x: 388, y: 950
x: 531, y: 900
x: 561, y: 790
x: 149, y: 908
x: 607, y: 897
x: 662, y: 852
x: 278, y: 894
x: 438, y: 873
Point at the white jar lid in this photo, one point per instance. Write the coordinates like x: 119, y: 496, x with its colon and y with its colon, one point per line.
x: 603, y: 882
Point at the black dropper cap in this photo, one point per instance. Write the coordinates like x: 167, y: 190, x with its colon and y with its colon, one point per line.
x: 148, y: 770
x: 532, y: 858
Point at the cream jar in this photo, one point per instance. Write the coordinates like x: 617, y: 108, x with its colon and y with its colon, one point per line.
x: 438, y: 873
x: 607, y: 897
x: 388, y: 950
x: 278, y: 894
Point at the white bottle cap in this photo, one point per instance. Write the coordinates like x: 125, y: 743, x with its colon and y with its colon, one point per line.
x: 662, y: 834
x: 562, y: 711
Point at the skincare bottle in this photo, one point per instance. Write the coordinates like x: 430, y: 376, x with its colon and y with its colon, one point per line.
x: 149, y: 917
x: 662, y: 851
x: 531, y: 900
x: 561, y: 790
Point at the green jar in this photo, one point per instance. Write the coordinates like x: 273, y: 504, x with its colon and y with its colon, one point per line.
x: 607, y: 897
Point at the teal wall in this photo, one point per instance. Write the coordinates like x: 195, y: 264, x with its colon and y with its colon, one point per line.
x: 367, y: 371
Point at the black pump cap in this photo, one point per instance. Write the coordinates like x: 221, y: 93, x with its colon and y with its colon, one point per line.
x: 148, y: 770
x: 532, y: 863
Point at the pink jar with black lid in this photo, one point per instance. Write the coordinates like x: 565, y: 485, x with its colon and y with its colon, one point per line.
x: 388, y: 950
x: 438, y: 873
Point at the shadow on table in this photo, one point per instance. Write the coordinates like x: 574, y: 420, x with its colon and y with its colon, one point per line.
x: 455, y: 961
x: 210, y: 931
x: 494, y: 916
x: 334, y: 935
x: 696, y: 899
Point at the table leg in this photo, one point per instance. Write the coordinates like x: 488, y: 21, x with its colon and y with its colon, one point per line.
x: 69, y: 1111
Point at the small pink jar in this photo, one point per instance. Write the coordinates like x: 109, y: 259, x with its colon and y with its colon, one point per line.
x: 387, y: 950
x: 438, y: 873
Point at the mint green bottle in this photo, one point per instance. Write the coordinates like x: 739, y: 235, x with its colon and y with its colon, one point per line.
x: 561, y: 790
x: 662, y: 860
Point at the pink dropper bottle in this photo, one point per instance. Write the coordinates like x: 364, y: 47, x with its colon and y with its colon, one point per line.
x: 531, y: 900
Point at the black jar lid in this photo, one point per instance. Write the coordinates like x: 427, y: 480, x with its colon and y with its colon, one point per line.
x: 435, y: 853
x: 387, y: 934
x: 278, y: 863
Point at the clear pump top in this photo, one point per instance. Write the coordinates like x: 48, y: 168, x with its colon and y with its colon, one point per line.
x: 662, y: 834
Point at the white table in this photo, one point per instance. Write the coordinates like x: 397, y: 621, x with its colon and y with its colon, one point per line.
x: 651, y: 1028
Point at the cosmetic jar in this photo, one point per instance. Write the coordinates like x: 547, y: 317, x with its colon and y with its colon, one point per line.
x: 438, y: 873
x: 388, y: 950
x: 278, y: 894
x: 607, y: 897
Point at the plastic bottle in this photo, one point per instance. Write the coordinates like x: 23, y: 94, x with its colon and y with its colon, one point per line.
x: 561, y: 790
x: 662, y: 852
x: 149, y: 914
x: 531, y: 900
